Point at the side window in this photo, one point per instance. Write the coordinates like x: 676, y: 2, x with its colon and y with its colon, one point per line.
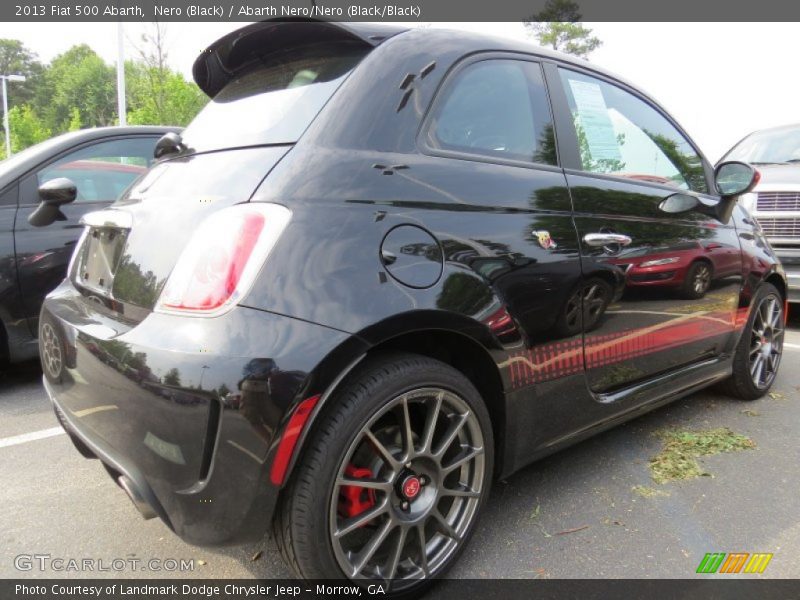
x: 495, y: 108
x: 620, y: 134
x: 102, y: 171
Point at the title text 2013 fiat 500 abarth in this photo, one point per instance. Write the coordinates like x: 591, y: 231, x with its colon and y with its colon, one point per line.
x: 382, y: 268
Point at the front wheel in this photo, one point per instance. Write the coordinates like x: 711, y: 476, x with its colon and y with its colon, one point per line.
x: 758, y: 355
x: 392, y: 480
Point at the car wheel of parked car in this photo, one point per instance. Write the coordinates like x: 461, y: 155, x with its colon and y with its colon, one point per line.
x: 52, y: 350
x: 698, y: 280
x: 758, y: 354
x: 391, y: 483
x: 584, y: 308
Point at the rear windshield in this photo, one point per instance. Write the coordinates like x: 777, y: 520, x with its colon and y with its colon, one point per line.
x: 768, y: 147
x: 275, y: 99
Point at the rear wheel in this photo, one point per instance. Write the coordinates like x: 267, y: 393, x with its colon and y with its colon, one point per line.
x: 758, y: 355
x: 392, y: 480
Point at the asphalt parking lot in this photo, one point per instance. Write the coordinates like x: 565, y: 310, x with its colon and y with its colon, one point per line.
x: 591, y: 511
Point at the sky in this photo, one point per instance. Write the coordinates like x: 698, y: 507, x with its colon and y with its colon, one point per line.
x: 720, y: 81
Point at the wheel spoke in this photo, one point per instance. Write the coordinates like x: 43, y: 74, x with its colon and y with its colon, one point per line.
x: 757, y: 369
x: 756, y: 348
x: 444, y: 526
x: 378, y: 446
x: 452, y: 432
x: 465, y: 457
x: 423, y: 550
x: 361, y: 520
x: 371, y: 547
x: 408, y: 435
x: 397, y: 554
x: 430, y: 423
x: 372, y: 484
x: 461, y: 491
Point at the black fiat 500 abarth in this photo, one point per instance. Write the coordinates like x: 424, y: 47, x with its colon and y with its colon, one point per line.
x: 382, y: 268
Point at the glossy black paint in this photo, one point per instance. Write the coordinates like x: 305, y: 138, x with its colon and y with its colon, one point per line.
x: 33, y: 260
x: 477, y: 262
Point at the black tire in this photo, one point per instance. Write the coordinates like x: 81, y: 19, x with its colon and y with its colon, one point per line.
x: 584, y: 308
x: 306, y: 518
x: 698, y: 280
x: 741, y: 383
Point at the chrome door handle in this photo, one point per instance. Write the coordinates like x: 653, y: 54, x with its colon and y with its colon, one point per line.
x: 607, y: 239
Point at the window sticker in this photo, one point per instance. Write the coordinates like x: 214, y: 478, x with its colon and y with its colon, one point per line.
x: 597, y: 126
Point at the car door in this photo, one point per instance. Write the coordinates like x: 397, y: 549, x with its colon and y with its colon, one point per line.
x: 682, y: 270
x: 101, y: 170
x: 490, y: 133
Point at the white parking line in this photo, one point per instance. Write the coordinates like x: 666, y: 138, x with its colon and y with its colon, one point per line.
x: 792, y: 346
x: 30, y: 437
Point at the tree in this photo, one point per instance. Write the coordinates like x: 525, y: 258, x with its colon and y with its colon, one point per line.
x: 16, y: 59
x: 172, y: 377
x: 80, y: 79
x: 26, y: 128
x: 158, y: 95
x: 160, y: 98
x: 557, y: 26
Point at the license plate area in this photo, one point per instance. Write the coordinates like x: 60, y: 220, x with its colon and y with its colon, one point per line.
x: 99, y: 259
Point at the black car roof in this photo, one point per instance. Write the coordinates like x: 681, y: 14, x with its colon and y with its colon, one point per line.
x: 19, y: 164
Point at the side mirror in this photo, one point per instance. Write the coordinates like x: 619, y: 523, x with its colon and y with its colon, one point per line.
x: 53, y: 194
x: 733, y: 178
x: 169, y: 143
x: 678, y: 203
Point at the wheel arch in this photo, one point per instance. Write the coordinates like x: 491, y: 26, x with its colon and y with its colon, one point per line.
x: 458, y: 341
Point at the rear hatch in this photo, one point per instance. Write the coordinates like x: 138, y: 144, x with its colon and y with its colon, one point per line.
x: 267, y: 83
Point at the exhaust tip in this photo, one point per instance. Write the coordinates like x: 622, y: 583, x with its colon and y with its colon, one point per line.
x: 140, y: 503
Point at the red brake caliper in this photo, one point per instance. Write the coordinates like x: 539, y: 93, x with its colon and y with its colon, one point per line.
x: 354, y: 500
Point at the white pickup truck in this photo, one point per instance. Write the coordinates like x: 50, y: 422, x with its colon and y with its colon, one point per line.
x: 775, y: 201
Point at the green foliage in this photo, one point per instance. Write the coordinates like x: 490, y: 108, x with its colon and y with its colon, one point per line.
x: 16, y: 59
x: 78, y: 89
x: 557, y: 26
x: 75, y: 122
x: 26, y: 128
x: 678, y: 459
x: 80, y: 79
x: 160, y: 96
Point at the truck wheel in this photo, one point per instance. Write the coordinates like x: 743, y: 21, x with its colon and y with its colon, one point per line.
x: 391, y: 481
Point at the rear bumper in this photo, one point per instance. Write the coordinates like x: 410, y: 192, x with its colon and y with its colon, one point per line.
x: 187, y: 411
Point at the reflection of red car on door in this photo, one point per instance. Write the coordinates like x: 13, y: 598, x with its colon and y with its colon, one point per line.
x: 687, y: 266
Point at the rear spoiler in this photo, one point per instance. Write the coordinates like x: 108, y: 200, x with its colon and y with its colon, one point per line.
x: 233, y: 53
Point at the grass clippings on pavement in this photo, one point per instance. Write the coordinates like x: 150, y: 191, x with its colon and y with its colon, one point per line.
x: 678, y: 459
x: 648, y: 492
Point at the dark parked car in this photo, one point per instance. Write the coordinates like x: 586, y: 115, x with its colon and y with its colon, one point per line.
x: 383, y: 264
x: 101, y: 163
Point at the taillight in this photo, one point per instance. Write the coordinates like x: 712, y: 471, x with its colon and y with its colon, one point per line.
x: 223, y: 258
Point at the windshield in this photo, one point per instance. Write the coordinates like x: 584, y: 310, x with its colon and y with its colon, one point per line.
x: 768, y: 147
x: 274, y: 100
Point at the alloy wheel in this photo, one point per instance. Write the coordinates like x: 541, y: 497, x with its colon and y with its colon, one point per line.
x: 766, y: 344
x: 702, y: 279
x: 51, y: 351
x: 408, y: 488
